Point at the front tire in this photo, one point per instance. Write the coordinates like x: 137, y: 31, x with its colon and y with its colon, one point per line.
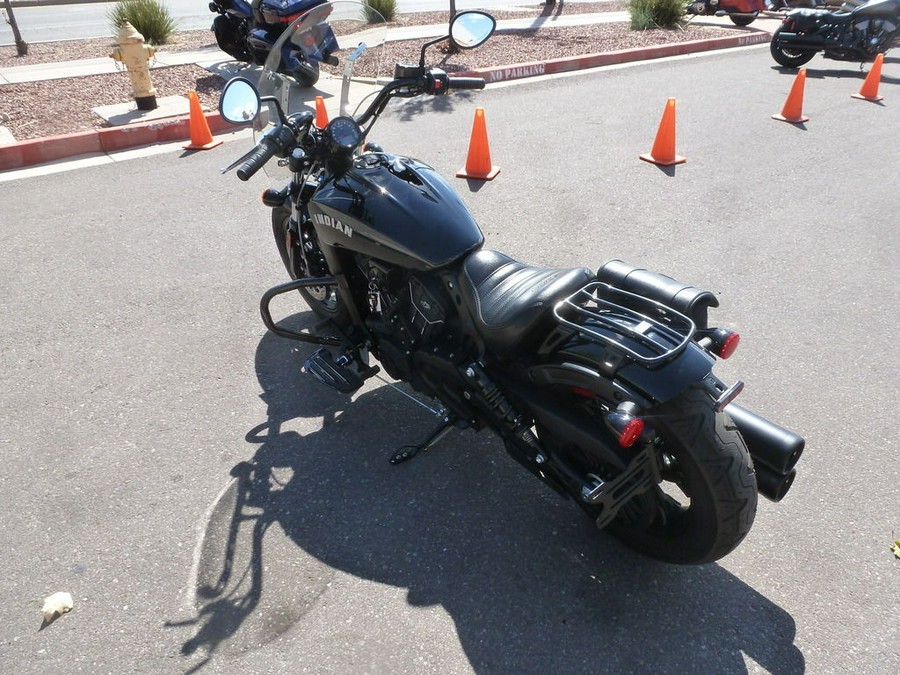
x: 324, y: 301
x: 710, y: 501
x: 787, y: 56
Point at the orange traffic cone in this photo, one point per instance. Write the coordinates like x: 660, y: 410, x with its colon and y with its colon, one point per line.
x: 201, y: 137
x: 663, y: 151
x: 793, y: 106
x: 321, y: 113
x: 869, y: 90
x: 478, y: 163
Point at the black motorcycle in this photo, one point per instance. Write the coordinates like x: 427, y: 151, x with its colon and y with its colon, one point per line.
x: 856, y: 35
x: 599, y: 383
x: 247, y: 31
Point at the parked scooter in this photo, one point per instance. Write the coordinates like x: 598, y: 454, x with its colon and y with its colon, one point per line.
x: 247, y: 31
x: 856, y: 35
x: 600, y: 383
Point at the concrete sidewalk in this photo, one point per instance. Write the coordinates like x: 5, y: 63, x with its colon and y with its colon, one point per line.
x: 173, y: 124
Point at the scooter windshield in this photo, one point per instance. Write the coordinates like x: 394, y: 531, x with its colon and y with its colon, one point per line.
x: 334, y: 50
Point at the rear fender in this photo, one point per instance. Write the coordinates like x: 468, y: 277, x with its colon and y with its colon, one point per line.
x: 595, y: 368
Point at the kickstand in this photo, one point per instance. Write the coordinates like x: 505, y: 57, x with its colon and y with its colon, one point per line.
x: 410, y: 451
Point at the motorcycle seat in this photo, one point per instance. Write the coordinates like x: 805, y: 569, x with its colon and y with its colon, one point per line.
x: 822, y: 14
x: 508, y: 299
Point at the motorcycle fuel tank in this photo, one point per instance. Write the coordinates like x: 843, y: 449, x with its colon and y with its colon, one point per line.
x: 395, y: 209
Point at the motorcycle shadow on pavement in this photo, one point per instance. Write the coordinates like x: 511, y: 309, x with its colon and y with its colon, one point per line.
x: 530, y: 585
x: 408, y: 110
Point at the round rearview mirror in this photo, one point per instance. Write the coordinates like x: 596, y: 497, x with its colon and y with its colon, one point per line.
x: 239, y: 103
x: 471, y: 28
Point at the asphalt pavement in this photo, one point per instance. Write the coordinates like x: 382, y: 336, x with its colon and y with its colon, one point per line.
x: 212, y: 510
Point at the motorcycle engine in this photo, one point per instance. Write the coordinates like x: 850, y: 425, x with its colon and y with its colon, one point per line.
x: 406, y: 313
x: 881, y: 34
x: 874, y: 35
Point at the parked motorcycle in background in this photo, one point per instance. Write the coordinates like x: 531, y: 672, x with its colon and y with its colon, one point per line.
x: 856, y: 35
x: 741, y: 12
x: 247, y: 31
x: 600, y: 383
x: 745, y: 12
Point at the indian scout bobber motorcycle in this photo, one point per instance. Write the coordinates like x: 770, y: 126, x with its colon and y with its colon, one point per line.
x: 858, y: 35
x: 600, y: 383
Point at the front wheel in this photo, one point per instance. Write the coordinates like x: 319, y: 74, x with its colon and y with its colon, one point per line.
x: 786, y: 56
x: 707, y: 501
x: 324, y: 301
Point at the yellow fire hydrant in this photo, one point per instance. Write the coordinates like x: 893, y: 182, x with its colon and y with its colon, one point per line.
x: 131, y: 51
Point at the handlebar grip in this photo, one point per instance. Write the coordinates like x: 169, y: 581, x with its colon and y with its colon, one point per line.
x: 264, y: 152
x: 467, y: 83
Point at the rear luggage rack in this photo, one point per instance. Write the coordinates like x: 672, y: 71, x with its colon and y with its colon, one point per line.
x: 645, y: 330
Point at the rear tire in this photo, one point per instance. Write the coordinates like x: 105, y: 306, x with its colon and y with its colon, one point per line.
x: 324, y: 301
x: 307, y: 74
x: 787, y: 56
x: 713, y: 476
x: 743, y: 19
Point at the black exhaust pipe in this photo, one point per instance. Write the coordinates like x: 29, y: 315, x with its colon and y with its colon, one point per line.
x: 773, y: 485
x: 768, y: 443
x: 799, y: 41
x: 774, y: 449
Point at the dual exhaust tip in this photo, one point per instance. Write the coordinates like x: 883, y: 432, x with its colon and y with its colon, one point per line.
x: 774, y: 449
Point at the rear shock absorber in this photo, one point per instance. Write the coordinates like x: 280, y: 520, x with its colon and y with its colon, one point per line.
x: 498, y: 404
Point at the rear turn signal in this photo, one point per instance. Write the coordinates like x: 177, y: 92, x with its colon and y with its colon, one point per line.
x: 724, y: 342
x: 626, y: 427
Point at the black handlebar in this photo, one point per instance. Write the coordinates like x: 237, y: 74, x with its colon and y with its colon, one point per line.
x: 277, y: 141
x: 264, y: 152
x: 467, y: 83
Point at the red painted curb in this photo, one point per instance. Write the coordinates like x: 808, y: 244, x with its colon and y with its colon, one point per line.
x: 109, y: 139
x: 41, y: 150
x: 555, y: 66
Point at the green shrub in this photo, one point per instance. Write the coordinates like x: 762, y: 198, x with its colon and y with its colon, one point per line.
x: 387, y: 9
x: 646, y: 14
x: 149, y: 17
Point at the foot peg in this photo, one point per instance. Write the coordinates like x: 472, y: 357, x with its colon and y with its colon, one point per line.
x: 337, y: 374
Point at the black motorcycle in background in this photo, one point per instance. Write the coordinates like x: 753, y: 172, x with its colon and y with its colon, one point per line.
x: 600, y: 383
x: 247, y: 31
x: 856, y: 35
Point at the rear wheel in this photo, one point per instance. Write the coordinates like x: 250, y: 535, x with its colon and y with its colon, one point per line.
x: 743, y: 19
x: 324, y: 301
x: 707, y: 501
x: 307, y: 73
x: 787, y: 56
